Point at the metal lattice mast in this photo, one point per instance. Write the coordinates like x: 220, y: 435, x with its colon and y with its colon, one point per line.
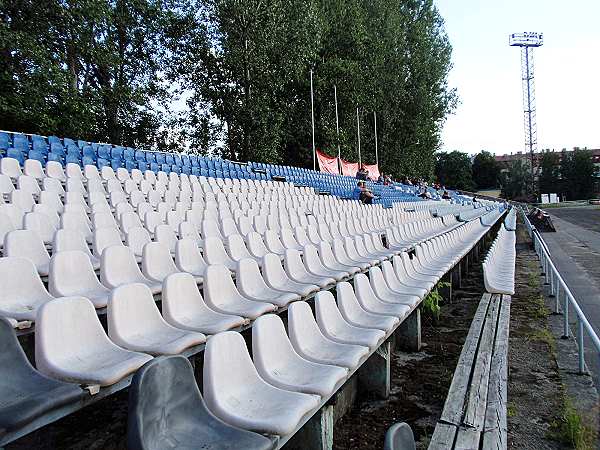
x: 527, y: 42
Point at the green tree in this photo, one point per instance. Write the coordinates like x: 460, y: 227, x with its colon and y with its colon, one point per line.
x: 485, y: 170
x: 549, y: 178
x: 89, y: 69
x: 453, y: 170
x: 578, y: 171
x: 516, y: 182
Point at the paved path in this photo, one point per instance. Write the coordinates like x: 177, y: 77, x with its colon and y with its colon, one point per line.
x: 575, y: 250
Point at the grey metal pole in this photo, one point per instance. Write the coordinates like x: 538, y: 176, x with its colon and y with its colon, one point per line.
x: 312, y: 112
x: 376, y: 148
x: 337, y: 121
x: 581, y: 350
x: 358, y: 128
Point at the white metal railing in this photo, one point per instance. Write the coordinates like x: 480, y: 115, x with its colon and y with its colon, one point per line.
x: 558, y: 289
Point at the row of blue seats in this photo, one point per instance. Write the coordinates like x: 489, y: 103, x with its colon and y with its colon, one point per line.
x: 64, y: 151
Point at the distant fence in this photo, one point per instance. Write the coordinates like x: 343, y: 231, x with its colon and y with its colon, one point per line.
x: 560, y: 291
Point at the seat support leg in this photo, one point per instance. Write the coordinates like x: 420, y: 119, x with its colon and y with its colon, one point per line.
x: 408, y: 335
x: 316, y: 434
x: 374, y: 375
x: 446, y: 291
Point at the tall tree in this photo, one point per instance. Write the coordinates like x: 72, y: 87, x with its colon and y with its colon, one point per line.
x: 485, y: 170
x: 578, y: 171
x: 516, y: 182
x: 453, y: 170
x: 549, y: 179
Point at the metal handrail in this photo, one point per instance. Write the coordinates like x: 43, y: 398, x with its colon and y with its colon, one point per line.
x: 558, y: 286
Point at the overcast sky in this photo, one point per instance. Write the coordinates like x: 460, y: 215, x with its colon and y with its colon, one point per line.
x: 487, y: 73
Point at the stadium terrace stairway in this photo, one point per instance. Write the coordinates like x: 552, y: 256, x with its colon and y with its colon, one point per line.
x: 87, y: 254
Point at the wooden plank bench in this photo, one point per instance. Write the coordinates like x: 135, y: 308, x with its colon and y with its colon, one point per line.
x: 474, y: 414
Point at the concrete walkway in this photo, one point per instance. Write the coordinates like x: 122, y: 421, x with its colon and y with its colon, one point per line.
x: 575, y: 252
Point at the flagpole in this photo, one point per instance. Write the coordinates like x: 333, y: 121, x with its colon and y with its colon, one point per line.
x: 337, y: 126
x: 358, y: 128
x: 376, y: 149
x: 312, y: 112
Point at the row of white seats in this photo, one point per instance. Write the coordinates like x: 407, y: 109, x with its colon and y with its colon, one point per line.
x: 499, y: 264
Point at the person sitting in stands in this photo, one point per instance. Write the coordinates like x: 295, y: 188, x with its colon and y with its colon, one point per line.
x: 446, y: 196
x: 380, y: 179
x: 365, y: 195
x: 362, y: 173
x: 387, y: 180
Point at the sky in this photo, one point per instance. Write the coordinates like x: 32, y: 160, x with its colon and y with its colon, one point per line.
x: 487, y: 74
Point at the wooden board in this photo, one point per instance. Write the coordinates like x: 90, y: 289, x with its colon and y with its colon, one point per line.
x: 457, y: 394
x: 495, y: 431
x: 478, y: 388
x: 443, y: 437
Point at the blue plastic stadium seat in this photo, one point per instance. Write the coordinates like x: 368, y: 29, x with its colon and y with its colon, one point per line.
x: 154, y: 167
x: 4, y: 141
x: 178, y: 161
x: 88, y: 161
x: 102, y: 163
x: 69, y: 141
x: 16, y: 154
x: 185, y: 160
x: 55, y: 157
x: 169, y: 159
x: 150, y: 157
x: 20, y: 141
x: 116, y: 163
x: 72, y: 158
x: 196, y: 171
x: 160, y: 158
x: 142, y: 165
x: 39, y: 156
x: 81, y: 144
x: 140, y: 155
x: 175, y: 168
x: 130, y: 165
x: 89, y: 152
x: 57, y: 147
x: 165, y: 168
x: 39, y: 144
x: 128, y: 154
x: 116, y: 153
x: 53, y: 140
x: 104, y: 152
x: 186, y: 169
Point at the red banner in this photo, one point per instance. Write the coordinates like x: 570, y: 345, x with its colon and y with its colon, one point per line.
x: 328, y: 164
x: 373, y: 171
x: 349, y: 169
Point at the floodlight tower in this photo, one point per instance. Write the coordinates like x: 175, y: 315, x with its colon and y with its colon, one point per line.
x: 527, y: 42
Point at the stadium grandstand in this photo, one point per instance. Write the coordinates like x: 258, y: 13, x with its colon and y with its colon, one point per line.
x: 130, y: 269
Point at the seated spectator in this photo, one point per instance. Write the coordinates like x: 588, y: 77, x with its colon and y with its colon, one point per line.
x: 380, y: 179
x: 365, y: 195
x: 387, y: 180
x: 362, y: 173
x: 446, y: 196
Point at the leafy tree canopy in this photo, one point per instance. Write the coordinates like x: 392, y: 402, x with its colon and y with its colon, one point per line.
x: 485, y: 170
x: 453, y: 170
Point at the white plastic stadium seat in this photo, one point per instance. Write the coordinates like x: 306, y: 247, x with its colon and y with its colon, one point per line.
x: 280, y: 365
x: 221, y: 295
x: 54, y: 169
x: 188, y: 258
x: 235, y: 392
x: 157, y: 263
x: 41, y: 225
x: 383, y: 291
x: 104, y: 238
x: 276, y: 277
x: 119, y: 267
x: 295, y: 269
x: 135, y: 323
x: 22, y: 289
x: 315, y: 265
x: 310, y: 343
x: 183, y: 307
x: 27, y: 244
x: 72, y: 275
x: 214, y: 253
x: 335, y: 327
x: 71, y: 345
x: 356, y: 315
x: 369, y: 301
x: 251, y: 284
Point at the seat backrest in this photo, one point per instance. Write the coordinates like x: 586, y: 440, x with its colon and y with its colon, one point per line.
x: 41, y: 224
x: 132, y: 311
x: 20, y: 281
x: 271, y: 347
x: 136, y: 239
x: 22, y: 199
x: 188, y: 257
x: 237, y: 247
x: 26, y: 244
x: 165, y: 235
x: 256, y: 245
x: 157, y: 263
x: 273, y: 243
x: 105, y: 237
x: 163, y: 397
x: 28, y: 184
x: 249, y: 279
x: 293, y: 263
x: 130, y: 220
x: 68, y: 240
x: 10, y: 167
x: 302, y: 327
x: 54, y: 169
x: 118, y: 266
x: 399, y: 437
x: 218, y: 286
x: 215, y: 253
x: 71, y: 272
x: 180, y: 296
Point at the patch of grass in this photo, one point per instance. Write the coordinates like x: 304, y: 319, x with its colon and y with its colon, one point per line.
x: 537, y: 306
x: 534, y: 281
x: 572, y: 429
x: 511, y: 410
x: 545, y: 336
